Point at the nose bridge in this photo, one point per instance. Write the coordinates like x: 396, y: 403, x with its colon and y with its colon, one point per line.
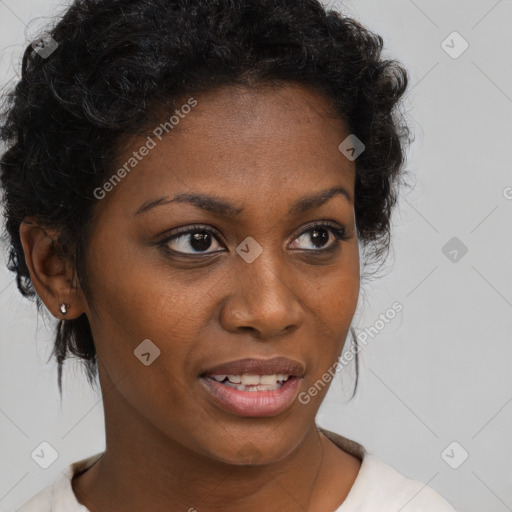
x: 265, y: 265
x: 266, y: 271
x: 264, y: 296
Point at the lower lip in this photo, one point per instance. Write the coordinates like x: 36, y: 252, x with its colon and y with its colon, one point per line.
x: 254, y: 403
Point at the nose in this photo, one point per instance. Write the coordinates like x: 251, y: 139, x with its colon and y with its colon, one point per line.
x: 263, y: 299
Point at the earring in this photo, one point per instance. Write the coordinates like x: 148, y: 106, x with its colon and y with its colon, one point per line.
x: 64, y: 308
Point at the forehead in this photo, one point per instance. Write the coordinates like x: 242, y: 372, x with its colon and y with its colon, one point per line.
x: 237, y: 140
x: 241, y: 112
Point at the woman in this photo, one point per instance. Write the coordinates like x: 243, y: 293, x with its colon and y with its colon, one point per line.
x: 187, y: 186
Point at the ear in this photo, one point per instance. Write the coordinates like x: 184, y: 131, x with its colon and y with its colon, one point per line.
x: 52, y: 274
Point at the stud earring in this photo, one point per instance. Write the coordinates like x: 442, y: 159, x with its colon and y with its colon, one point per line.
x: 64, y: 308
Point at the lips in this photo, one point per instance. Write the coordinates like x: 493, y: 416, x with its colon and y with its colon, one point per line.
x: 252, y: 366
x: 254, y: 387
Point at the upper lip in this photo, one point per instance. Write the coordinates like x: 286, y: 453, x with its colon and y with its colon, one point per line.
x: 258, y: 367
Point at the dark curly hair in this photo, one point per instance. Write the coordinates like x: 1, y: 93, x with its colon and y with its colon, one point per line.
x: 117, y: 63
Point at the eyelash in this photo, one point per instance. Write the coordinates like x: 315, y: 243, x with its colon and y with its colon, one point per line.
x: 339, y: 234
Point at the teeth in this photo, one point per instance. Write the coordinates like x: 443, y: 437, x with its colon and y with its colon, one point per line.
x: 259, y: 387
x: 248, y: 380
x: 267, y: 379
x: 253, y: 380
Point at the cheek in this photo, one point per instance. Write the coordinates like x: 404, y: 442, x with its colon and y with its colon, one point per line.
x: 337, y: 291
x: 134, y: 304
x: 333, y: 305
x: 124, y: 309
x: 138, y: 296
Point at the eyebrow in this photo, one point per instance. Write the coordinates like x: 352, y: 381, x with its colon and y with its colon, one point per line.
x: 223, y: 207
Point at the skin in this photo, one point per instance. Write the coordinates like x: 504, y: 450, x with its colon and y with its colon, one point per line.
x: 167, y: 442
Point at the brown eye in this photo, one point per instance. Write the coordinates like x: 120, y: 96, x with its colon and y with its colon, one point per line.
x: 193, y: 241
x: 317, y: 237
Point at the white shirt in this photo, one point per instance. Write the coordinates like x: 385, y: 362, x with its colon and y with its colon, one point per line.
x: 378, y: 487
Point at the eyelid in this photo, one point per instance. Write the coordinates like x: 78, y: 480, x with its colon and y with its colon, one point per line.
x: 336, y: 226
x: 192, y: 228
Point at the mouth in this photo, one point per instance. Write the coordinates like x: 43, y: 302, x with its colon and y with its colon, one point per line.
x: 254, y: 387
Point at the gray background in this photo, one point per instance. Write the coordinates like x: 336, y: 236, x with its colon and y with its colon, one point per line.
x: 436, y: 374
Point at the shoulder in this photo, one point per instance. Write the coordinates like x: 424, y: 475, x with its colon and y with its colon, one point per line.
x: 41, y: 502
x: 379, y: 486
x: 382, y: 484
x: 59, y: 496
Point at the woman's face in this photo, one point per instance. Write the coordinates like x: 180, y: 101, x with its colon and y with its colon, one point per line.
x: 289, y: 290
